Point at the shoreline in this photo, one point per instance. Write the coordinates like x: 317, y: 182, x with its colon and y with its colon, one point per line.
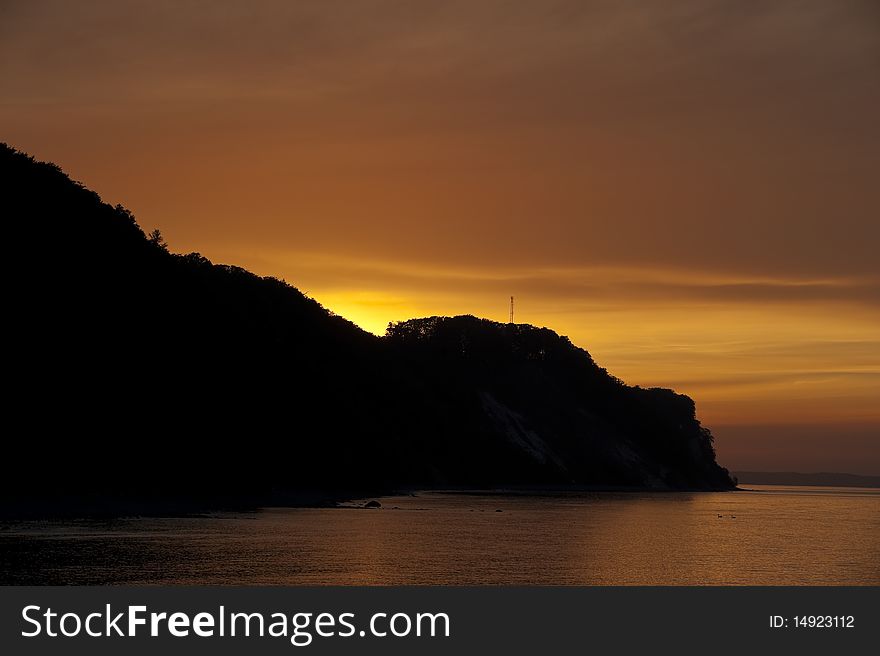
x: 110, y: 509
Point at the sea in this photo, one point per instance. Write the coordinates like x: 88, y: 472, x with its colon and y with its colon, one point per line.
x: 762, y: 535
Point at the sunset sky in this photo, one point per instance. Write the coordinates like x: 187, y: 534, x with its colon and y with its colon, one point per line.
x: 688, y: 189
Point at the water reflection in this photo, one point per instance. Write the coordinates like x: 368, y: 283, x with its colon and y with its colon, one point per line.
x: 765, y: 537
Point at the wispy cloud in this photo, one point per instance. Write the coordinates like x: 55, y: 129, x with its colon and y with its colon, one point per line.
x: 687, y: 188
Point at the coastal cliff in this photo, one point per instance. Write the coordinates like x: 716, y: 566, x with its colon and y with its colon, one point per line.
x: 141, y: 375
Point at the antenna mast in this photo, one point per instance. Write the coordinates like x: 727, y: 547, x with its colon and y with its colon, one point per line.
x: 511, y: 310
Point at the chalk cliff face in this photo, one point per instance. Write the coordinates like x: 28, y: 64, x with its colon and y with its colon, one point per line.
x: 141, y: 373
x: 550, y: 413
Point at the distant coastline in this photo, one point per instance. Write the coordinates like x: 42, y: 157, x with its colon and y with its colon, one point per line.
x: 830, y: 479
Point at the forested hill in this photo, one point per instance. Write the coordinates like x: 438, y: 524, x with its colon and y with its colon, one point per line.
x: 140, y: 374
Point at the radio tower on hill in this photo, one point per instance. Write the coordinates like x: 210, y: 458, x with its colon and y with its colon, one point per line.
x: 511, y: 311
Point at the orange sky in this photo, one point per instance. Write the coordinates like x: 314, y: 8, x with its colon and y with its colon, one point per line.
x: 688, y: 189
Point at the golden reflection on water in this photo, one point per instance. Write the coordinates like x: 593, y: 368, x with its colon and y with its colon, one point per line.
x: 769, y: 536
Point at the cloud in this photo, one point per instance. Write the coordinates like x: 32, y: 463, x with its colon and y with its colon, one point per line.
x: 569, y: 285
x: 719, y: 135
x: 687, y: 188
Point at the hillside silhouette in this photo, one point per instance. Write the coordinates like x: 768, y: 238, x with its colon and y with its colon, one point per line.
x: 136, y: 375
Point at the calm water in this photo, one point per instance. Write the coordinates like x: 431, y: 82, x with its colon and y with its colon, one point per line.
x: 772, y: 535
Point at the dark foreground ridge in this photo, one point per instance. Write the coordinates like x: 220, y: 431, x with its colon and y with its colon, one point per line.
x: 142, y: 377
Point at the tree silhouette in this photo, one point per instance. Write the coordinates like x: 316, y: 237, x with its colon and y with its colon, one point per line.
x: 156, y: 238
